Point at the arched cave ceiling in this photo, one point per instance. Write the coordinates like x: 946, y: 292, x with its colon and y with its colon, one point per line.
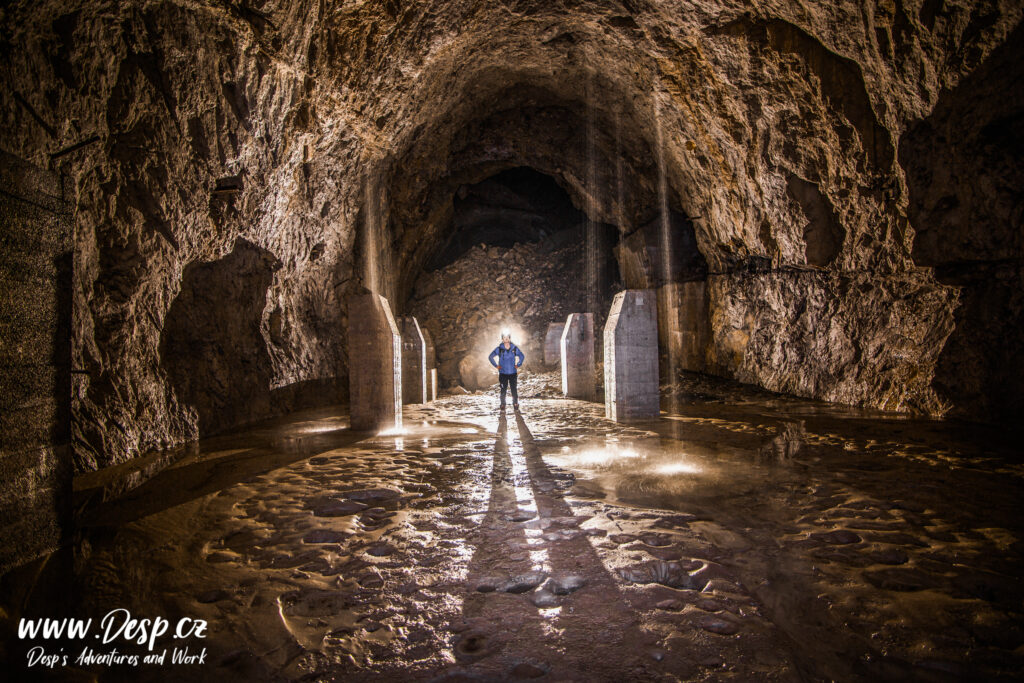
x: 743, y: 105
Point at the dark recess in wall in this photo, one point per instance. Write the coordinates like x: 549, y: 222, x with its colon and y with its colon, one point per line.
x: 823, y: 234
x: 964, y: 179
x: 211, y: 345
x: 640, y: 254
x: 963, y: 168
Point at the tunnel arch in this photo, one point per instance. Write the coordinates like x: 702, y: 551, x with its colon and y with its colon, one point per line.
x: 515, y: 206
x: 705, y: 158
x: 537, y: 127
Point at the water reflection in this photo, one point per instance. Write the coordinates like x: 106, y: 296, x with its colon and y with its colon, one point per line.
x: 672, y: 468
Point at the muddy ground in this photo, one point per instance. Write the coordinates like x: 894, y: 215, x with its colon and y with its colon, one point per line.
x: 743, y: 536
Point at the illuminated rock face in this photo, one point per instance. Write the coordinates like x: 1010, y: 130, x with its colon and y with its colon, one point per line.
x: 415, y: 370
x: 577, y: 357
x: 631, y: 357
x: 375, y: 364
x: 467, y: 303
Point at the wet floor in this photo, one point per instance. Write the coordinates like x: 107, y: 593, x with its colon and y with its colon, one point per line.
x: 742, y: 537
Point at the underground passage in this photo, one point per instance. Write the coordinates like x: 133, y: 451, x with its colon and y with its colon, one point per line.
x: 627, y: 340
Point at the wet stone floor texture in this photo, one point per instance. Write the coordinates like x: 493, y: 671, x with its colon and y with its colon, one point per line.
x: 741, y: 537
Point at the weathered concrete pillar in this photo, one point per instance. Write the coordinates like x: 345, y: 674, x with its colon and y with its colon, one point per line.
x: 375, y: 364
x: 577, y: 354
x: 414, y: 362
x: 631, y: 357
x: 684, y: 330
x: 553, y: 344
x: 431, y: 353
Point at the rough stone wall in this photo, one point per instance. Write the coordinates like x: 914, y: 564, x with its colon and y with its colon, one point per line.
x: 853, y: 339
x: 684, y: 326
x: 196, y: 133
x: 35, y: 362
x: 964, y: 178
x: 185, y: 126
x: 211, y: 345
x: 777, y: 129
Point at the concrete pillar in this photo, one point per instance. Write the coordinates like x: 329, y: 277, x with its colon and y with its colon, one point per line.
x: 553, y: 344
x: 414, y: 361
x: 577, y: 354
x: 631, y: 357
x: 684, y: 329
x: 431, y: 354
x: 375, y: 364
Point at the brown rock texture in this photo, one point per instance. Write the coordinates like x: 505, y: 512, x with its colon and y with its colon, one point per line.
x: 319, y: 133
x: 843, y: 338
x: 964, y: 179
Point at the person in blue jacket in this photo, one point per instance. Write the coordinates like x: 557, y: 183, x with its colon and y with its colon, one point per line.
x: 509, y: 359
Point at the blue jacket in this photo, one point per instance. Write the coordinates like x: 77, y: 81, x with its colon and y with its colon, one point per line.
x: 507, y: 363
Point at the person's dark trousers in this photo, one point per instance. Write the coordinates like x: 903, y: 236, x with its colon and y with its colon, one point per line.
x: 506, y: 381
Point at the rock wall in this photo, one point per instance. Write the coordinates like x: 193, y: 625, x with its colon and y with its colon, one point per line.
x: 211, y: 345
x: 35, y: 362
x: 181, y: 129
x: 855, y: 339
x: 775, y: 128
x: 684, y: 327
x: 964, y: 179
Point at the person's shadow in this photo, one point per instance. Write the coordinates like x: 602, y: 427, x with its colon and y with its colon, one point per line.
x: 514, y: 623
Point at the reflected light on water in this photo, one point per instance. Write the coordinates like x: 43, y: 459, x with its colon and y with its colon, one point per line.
x: 671, y: 468
x: 318, y: 428
x: 603, y: 457
x: 397, y: 432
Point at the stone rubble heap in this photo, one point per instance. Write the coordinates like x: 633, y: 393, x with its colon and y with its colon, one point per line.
x: 466, y: 304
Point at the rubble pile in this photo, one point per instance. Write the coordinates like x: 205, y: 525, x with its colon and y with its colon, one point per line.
x: 523, y: 288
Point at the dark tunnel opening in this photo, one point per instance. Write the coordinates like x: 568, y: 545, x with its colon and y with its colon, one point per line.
x: 511, y: 207
x: 518, y: 254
